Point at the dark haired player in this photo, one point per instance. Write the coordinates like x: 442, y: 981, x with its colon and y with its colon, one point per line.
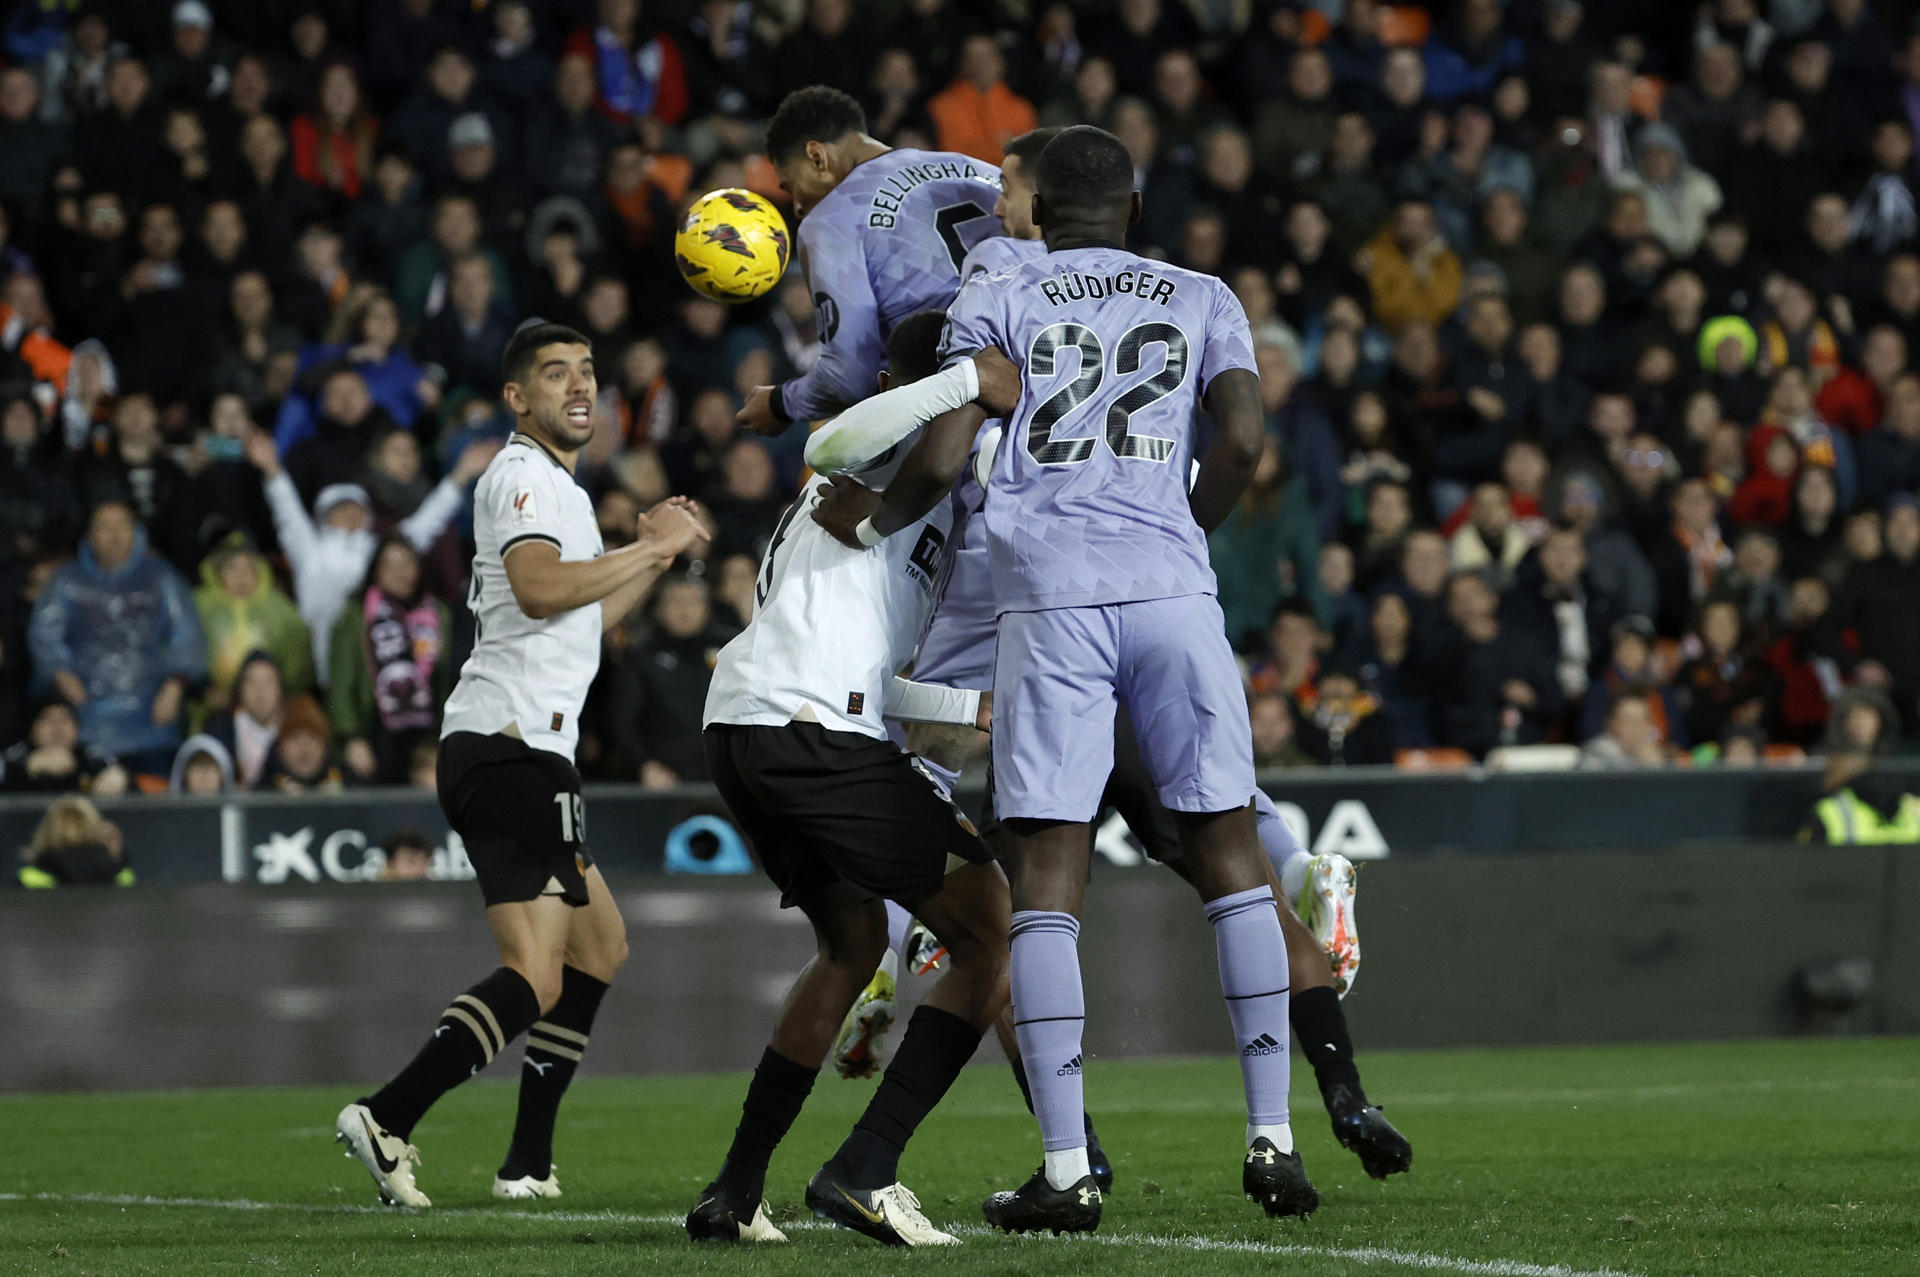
x: 542, y: 593
x: 1100, y: 573
x: 842, y: 820
x: 883, y: 233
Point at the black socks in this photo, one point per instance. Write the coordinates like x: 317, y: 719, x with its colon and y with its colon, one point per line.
x: 476, y: 1027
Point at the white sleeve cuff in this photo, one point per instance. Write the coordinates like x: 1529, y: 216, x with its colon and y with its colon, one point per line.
x: 911, y: 702
x: 873, y: 425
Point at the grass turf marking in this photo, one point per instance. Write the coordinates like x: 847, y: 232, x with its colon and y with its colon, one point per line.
x: 1155, y: 1241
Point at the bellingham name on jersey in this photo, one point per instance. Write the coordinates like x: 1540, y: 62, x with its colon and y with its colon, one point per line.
x: 890, y: 196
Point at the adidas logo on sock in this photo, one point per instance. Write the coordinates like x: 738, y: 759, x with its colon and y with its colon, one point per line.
x: 1069, y: 1069
x: 1262, y: 1045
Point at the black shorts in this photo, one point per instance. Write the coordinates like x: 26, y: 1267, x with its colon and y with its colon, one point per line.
x: 519, y: 811
x: 1130, y: 791
x: 822, y: 806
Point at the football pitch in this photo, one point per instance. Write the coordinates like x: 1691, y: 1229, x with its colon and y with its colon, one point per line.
x: 1754, y: 1158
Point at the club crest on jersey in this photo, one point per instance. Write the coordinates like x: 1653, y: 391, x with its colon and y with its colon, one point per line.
x: 524, y: 509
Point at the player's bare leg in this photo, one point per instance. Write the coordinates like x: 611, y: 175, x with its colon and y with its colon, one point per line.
x: 531, y: 936
x: 850, y: 934
x: 594, y: 951
x: 859, y: 1185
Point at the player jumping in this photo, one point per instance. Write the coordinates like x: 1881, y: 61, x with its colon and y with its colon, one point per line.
x: 882, y: 236
x: 958, y: 651
x: 1100, y: 573
x: 841, y: 819
x: 542, y: 593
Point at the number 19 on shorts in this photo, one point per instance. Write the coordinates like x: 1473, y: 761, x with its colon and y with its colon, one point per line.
x: 573, y: 818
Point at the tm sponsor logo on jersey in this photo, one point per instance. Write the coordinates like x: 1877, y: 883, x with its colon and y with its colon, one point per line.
x: 903, y: 181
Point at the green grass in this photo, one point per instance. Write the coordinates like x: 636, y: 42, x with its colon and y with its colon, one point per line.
x: 1762, y: 1158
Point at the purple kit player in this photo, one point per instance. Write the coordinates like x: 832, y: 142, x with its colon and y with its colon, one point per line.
x: 882, y: 236
x: 1099, y: 563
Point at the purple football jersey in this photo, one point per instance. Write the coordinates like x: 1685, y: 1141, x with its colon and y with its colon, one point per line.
x: 958, y: 648
x: 1087, y: 502
x: 885, y: 244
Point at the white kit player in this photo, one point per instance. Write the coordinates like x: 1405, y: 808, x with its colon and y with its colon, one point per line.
x: 543, y: 591
x: 842, y: 820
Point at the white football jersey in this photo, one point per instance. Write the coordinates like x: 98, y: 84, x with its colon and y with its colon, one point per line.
x: 526, y: 673
x: 831, y: 625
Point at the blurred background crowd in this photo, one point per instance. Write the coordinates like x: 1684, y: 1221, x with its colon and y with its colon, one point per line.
x: 1588, y: 334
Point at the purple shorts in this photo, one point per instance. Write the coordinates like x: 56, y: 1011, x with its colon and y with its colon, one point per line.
x: 1059, y: 675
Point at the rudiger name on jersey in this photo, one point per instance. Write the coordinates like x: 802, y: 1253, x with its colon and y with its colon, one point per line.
x: 1072, y: 286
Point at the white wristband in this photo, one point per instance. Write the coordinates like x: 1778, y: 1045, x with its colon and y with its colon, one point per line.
x: 867, y: 534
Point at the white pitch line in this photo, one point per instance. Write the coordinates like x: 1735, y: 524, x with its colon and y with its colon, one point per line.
x: 1426, y: 1260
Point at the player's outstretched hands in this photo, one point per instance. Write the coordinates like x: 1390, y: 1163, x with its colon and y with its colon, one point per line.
x: 840, y: 511
x: 675, y: 526
x: 757, y: 413
x: 999, y: 382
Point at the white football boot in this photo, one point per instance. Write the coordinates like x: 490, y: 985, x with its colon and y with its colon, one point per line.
x: 388, y: 1158
x: 527, y: 1186
x: 1326, y: 906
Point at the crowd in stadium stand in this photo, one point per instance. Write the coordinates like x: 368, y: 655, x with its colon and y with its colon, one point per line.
x: 1588, y: 332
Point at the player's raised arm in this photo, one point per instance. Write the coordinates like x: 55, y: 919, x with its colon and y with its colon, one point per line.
x: 865, y: 431
x: 938, y: 459
x: 1240, y: 434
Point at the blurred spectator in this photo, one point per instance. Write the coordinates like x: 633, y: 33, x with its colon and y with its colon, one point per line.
x: 1879, y: 602
x: 1862, y: 806
x: 408, y: 856
x: 661, y: 685
x: 1721, y: 686
x: 1266, y: 551
x: 39, y: 511
x: 115, y: 634
x: 301, y: 760
x: 1753, y: 584
x: 1631, y: 738
x: 1384, y: 659
x: 53, y: 758
x: 390, y: 667
x: 1413, y: 274
x: 364, y: 337
x: 1552, y: 603
x: 29, y: 143
x: 75, y: 846
x: 467, y: 337
x: 1632, y: 669
x: 250, y: 724
x: 1713, y: 110
x: 641, y: 75
x: 1863, y: 722
x: 243, y: 611
x: 1689, y: 557
x: 1494, y: 687
x: 1491, y: 540
x: 1679, y: 197
x: 978, y: 114
x: 423, y: 766
x: 1890, y: 452
x: 422, y: 285
x: 1810, y: 538
x: 333, y: 144
x: 571, y: 137
x: 1345, y: 610
x: 1274, y: 743
x: 330, y: 551
x: 389, y: 215
x: 202, y: 768
x: 1341, y: 724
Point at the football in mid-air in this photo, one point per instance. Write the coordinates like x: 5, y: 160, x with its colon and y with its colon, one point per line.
x: 732, y: 245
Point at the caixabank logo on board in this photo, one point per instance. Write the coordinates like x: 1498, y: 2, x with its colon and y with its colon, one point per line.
x: 304, y: 855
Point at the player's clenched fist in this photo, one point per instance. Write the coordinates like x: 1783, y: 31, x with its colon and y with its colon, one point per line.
x: 999, y: 382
